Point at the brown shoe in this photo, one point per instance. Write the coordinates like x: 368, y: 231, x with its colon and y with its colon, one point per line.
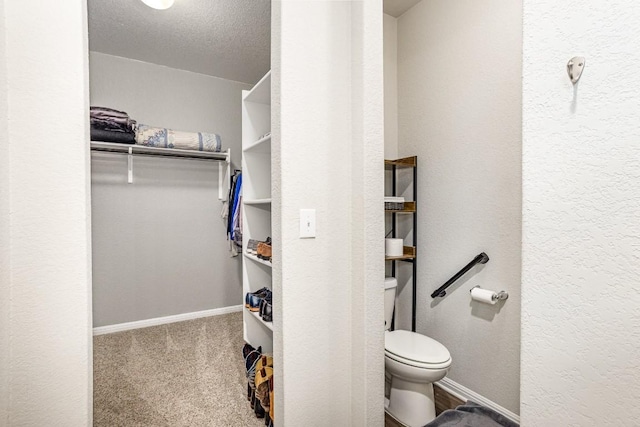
x: 264, y: 250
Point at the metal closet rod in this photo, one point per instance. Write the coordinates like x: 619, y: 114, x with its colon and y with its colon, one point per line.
x: 481, y: 258
x: 160, y: 152
x: 224, y: 173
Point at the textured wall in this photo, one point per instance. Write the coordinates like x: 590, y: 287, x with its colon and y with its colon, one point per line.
x: 4, y: 230
x: 314, y: 110
x: 367, y: 272
x: 581, y: 215
x: 324, y: 295
x: 50, y: 359
x: 390, y: 31
x: 152, y: 258
x: 459, y: 107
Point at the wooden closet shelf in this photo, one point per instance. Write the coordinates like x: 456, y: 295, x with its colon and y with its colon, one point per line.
x: 409, y: 162
x: 409, y: 253
x: 409, y: 207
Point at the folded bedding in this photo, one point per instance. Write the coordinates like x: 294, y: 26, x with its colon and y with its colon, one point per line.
x: 168, y: 138
x: 113, y: 124
x: 106, y: 112
x: 109, y: 120
x: 110, y: 136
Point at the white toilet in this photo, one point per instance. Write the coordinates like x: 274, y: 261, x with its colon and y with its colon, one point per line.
x: 414, y: 362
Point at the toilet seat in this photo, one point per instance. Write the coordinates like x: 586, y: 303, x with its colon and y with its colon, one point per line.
x: 420, y: 351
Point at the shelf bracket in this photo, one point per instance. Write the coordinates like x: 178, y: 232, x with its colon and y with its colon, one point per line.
x: 224, y: 178
x: 130, y: 166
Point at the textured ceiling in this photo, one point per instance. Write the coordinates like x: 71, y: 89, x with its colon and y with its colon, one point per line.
x: 398, y: 7
x: 223, y: 38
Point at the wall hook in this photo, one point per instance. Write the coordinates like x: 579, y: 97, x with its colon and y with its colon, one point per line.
x: 575, y: 67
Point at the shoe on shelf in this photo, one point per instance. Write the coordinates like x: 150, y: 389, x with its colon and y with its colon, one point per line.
x: 251, y: 356
x: 260, y: 293
x: 252, y: 247
x: 263, y: 376
x: 264, y: 250
x: 266, y: 311
x: 255, y: 301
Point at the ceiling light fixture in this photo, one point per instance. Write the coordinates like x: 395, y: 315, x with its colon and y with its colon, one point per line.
x: 159, y: 4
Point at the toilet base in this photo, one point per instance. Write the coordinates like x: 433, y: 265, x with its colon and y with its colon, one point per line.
x: 411, y: 403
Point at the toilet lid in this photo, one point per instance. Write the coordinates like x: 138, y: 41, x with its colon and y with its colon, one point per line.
x: 416, y: 347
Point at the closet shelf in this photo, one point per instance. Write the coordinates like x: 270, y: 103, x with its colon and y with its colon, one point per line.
x: 256, y: 259
x: 256, y: 202
x: 263, y: 145
x: 409, y: 162
x: 409, y: 207
x: 256, y: 315
x: 162, y: 152
x: 261, y: 92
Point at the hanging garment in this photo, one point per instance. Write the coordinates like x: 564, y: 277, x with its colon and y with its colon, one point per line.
x: 235, y: 228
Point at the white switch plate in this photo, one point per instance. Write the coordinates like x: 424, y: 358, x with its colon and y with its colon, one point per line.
x: 307, y: 223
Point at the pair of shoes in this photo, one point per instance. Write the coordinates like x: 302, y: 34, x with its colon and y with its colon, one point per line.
x: 264, y: 250
x: 253, y: 301
x: 266, y: 309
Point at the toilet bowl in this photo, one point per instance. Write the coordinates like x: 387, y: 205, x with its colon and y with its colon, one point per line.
x: 413, y: 361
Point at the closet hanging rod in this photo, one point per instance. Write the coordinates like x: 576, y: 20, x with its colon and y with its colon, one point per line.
x: 160, y: 152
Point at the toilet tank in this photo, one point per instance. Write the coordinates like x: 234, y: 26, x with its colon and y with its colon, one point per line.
x: 390, y: 285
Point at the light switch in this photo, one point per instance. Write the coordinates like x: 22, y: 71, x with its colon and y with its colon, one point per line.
x: 307, y: 223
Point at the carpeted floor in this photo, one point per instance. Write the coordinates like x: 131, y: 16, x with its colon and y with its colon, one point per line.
x: 183, y: 374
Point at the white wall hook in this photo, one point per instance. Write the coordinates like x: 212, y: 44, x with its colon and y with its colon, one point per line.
x: 575, y: 67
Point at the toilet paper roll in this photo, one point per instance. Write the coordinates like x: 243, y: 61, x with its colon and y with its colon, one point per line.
x: 483, y: 295
x: 393, y: 247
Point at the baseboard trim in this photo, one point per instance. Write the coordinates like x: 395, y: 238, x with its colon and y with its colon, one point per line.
x: 465, y: 394
x: 109, y: 329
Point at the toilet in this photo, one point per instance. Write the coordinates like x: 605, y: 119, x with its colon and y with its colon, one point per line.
x: 413, y: 361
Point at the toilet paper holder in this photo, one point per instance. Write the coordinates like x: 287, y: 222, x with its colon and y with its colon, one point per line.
x: 497, y: 296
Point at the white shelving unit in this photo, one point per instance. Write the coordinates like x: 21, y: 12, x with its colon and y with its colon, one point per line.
x: 256, y: 199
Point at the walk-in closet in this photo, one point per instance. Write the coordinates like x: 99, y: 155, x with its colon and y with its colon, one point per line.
x: 180, y: 205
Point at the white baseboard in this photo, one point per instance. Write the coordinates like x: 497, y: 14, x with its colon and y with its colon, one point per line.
x: 109, y: 329
x: 465, y: 394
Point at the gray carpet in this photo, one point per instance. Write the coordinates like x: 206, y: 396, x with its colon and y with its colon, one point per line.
x: 183, y: 374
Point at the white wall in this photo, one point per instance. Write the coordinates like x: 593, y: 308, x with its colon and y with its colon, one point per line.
x: 325, y: 297
x: 367, y: 218
x: 152, y: 258
x: 459, y: 109
x: 49, y: 226
x: 5, y: 278
x: 581, y: 215
x: 390, y: 27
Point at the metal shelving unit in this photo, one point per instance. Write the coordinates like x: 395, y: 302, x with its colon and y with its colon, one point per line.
x: 410, y: 252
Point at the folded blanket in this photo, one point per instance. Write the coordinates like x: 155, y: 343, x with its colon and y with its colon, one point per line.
x: 110, y: 136
x: 106, y: 112
x: 115, y: 124
x: 110, y: 119
x: 169, y: 138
